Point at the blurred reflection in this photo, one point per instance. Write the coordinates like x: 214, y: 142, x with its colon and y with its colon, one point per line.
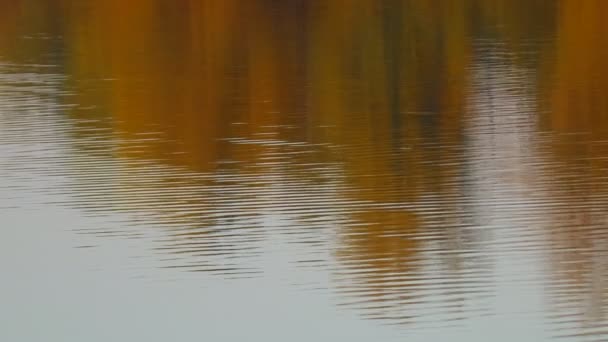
x: 213, y: 96
x: 389, y: 95
x: 430, y: 156
x: 576, y: 111
x: 204, y: 78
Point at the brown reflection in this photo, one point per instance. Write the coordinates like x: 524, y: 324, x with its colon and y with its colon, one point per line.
x: 9, y: 16
x: 389, y: 94
x: 577, y: 110
x: 580, y: 74
x: 191, y: 72
x: 28, y: 34
x: 192, y: 85
x: 366, y: 98
x: 233, y: 123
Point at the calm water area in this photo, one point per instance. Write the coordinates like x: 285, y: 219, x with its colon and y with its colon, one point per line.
x: 304, y: 170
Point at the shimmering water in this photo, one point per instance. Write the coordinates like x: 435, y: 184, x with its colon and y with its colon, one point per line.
x: 370, y: 170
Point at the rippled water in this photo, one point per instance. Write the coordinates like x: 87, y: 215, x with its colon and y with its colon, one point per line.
x: 303, y: 170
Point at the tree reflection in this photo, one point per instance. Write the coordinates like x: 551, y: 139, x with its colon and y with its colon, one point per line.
x: 231, y: 122
x: 576, y: 110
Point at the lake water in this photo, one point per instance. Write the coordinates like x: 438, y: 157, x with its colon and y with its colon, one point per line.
x: 370, y: 170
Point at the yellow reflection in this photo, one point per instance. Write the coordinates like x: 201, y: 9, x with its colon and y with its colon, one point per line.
x: 388, y: 91
x: 28, y: 33
x: 577, y: 110
x: 381, y: 83
x: 580, y: 80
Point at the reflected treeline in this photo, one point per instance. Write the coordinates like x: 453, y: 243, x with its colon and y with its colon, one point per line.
x: 196, y: 73
x: 375, y: 89
x: 29, y: 32
x: 576, y: 110
x: 231, y: 122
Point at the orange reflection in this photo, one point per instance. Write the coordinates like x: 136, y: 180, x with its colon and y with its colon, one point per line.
x: 578, y: 112
x: 380, y: 85
x: 188, y: 71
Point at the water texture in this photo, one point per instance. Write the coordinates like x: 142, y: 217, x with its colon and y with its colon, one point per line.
x: 369, y: 170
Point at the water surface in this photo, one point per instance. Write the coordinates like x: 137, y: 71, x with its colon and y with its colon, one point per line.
x: 303, y: 170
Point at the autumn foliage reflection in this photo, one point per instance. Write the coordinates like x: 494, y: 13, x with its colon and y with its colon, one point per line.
x: 381, y: 84
x: 364, y: 98
x: 576, y: 109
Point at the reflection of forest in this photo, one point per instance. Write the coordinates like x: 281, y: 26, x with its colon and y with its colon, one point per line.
x: 365, y: 97
x: 576, y: 89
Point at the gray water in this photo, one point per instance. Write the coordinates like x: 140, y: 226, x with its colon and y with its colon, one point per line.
x: 303, y: 170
